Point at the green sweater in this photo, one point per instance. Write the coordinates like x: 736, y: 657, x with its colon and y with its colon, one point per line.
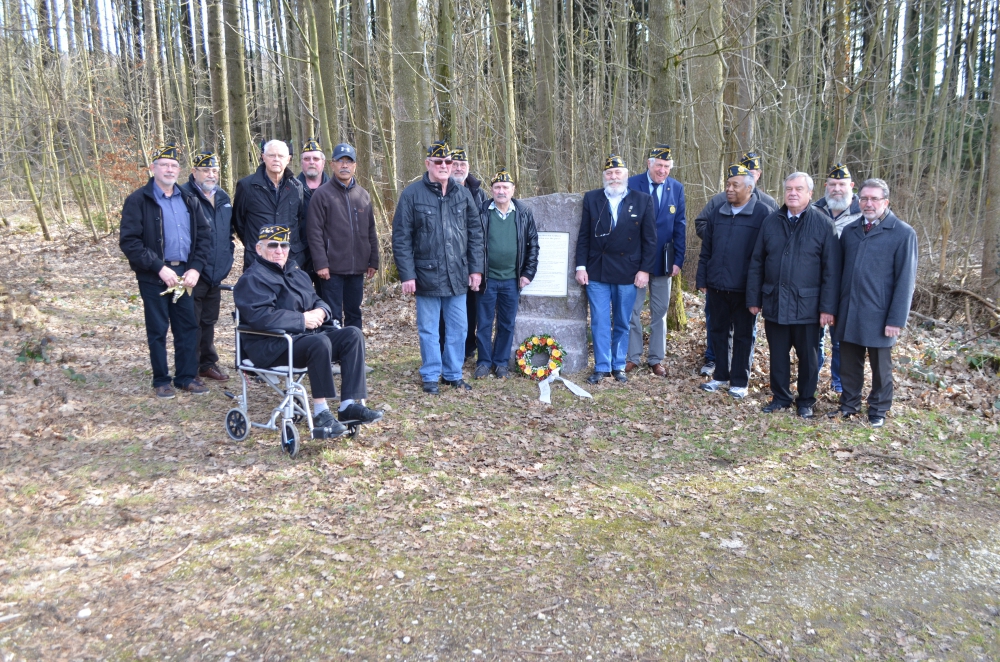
x: 503, y: 245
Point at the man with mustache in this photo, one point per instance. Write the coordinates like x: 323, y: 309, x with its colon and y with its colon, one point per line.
x: 615, y: 252
x: 842, y: 208
x: 203, y: 185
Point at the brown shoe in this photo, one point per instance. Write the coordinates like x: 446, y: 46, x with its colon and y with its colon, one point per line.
x: 214, y: 373
x: 658, y: 370
x: 165, y: 392
x: 195, y: 388
x: 629, y: 366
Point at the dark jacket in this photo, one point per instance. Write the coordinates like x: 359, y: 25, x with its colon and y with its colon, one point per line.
x: 340, y: 225
x: 795, y: 269
x: 220, y: 220
x: 526, y: 264
x: 141, y: 234
x: 307, y: 194
x: 475, y: 187
x: 719, y: 199
x: 615, y: 256
x: 671, y: 220
x: 876, y: 288
x: 727, y: 243
x: 437, y: 240
x: 255, y: 206
x: 270, y: 298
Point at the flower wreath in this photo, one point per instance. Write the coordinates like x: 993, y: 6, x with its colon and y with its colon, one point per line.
x: 539, y: 344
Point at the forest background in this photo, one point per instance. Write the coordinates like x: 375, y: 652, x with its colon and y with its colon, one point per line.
x: 897, y: 90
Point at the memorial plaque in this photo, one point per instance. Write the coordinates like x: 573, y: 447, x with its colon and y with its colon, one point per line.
x: 557, y: 309
x: 553, y: 266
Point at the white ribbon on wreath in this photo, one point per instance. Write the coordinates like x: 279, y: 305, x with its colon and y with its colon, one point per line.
x: 545, y: 394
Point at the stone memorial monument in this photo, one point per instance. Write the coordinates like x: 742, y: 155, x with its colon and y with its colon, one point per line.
x: 554, y: 302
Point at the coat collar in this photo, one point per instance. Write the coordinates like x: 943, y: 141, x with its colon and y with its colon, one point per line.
x: 220, y: 195
x: 290, y: 265
x: 323, y: 179
x: 261, y: 178
x: 727, y: 208
x: 888, y: 223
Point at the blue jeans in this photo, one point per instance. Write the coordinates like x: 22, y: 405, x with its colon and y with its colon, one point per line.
x: 499, y: 300
x: 834, y: 357
x: 610, y: 312
x: 429, y: 311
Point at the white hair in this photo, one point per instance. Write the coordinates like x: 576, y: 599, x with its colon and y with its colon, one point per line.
x: 275, y: 142
x: 649, y: 161
x: 803, y: 175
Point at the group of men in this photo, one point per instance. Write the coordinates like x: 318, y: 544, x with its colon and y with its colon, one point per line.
x: 308, y: 244
x: 844, y: 263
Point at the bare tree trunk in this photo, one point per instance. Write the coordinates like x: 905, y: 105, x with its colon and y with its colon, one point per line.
x: 502, y: 35
x: 362, y: 115
x: 443, y: 65
x: 664, y: 111
x: 236, y: 82
x: 991, y: 229
x: 842, y: 60
x: 546, y: 98
x: 151, y: 52
x: 220, y: 97
x: 410, y: 111
x: 325, y: 44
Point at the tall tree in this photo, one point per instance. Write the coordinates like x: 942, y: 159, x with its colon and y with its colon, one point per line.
x: 220, y: 96
x: 505, y: 55
x: 546, y: 97
x: 151, y: 52
x: 325, y: 47
x: 409, y: 104
x: 236, y: 83
x: 443, y: 65
x: 991, y: 231
x: 360, y: 64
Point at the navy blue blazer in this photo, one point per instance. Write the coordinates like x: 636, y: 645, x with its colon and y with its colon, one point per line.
x: 614, y: 256
x: 671, y: 219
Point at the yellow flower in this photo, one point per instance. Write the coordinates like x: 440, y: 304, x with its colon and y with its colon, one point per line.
x: 534, y: 339
x: 523, y: 348
x: 521, y: 362
x: 541, y: 372
x: 550, y: 341
x: 552, y: 365
x: 527, y: 370
x: 556, y: 353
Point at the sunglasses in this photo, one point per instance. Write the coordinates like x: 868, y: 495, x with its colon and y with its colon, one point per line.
x: 438, y: 162
x: 275, y: 245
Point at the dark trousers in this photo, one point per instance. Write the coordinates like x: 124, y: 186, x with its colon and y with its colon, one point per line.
x: 731, y: 336
x: 207, y: 301
x: 162, y: 314
x: 852, y: 378
x: 805, y: 339
x: 316, y: 351
x: 471, y: 304
x: 499, y: 300
x: 344, y: 295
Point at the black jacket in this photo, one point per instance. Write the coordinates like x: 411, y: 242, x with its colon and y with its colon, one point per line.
x: 475, y: 187
x: 220, y: 220
x: 340, y: 226
x: 255, y: 206
x: 270, y: 298
x: 526, y: 264
x: 306, y: 261
x: 141, y: 234
x: 719, y: 199
x: 795, y: 269
x: 615, y: 256
x: 437, y: 240
x: 727, y: 243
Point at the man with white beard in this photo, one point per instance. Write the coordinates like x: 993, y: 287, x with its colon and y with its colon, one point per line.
x: 842, y: 208
x: 615, y: 252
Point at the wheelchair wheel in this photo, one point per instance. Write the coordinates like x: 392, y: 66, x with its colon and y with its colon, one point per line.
x: 237, y: 425
x: 289, y: 438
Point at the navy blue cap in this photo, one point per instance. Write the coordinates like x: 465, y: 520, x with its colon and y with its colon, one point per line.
x: 342, y: 150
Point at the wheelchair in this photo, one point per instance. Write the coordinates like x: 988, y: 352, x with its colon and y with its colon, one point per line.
x: 285, y: 380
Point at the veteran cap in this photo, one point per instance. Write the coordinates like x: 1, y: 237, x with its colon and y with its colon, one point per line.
x: 311, y: 145
x: 661, y: 151
x: 737, y: 170
x: 205, y: 159
x: 614, y: 161
x: 458, y: 154
x: 275, y: 232
x: 502, y: 176
x: 839, y: 171
x: 750, y: 160
x: 439, y: 150
x: 166, y: 151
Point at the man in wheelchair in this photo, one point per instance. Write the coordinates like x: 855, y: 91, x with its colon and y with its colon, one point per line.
x: 274, y: 294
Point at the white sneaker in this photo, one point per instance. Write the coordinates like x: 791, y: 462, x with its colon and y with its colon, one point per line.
x: 713, y: 386
x: 738, y: 392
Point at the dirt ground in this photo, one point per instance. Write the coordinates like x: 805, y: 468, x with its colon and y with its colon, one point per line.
x: 654, y: 522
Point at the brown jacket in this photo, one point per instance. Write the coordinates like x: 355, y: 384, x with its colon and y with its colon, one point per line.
x: 340, y: 227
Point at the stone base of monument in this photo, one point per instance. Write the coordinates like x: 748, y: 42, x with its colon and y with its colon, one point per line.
x: 570, y: 333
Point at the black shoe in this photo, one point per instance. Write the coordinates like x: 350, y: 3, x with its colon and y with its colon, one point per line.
x: 431, y: 387
x: 325, y: 420
x: 597, y: 377
x: 502, y: 372
x: 805, y: 412
x: 482, y: 372
x: 619, y: 375
x: 841, y: 414
x: 458, y: 383
x: 774, y: 406
x: 876, y: 421
x: 357, y: 413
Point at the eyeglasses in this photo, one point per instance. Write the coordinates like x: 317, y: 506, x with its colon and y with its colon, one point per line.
x: 438, y: 162
x: 275, y: 245
x: 863, y: 200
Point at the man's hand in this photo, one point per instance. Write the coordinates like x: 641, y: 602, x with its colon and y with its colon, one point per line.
x: 190, y: 278
x: 474, y: 281
x: 168, y: 276
x: 581, y: 276
x: 675, y: 271
x: 409, y: 286
x: 892, y: 331
x: 370, y: 272
x: 524, y: 282
x: 642, y: 279
x: 314, y: 318
x: 826, y: 319
x: 323, y: 273
x: 753, y: 310
x: 703, y: 290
